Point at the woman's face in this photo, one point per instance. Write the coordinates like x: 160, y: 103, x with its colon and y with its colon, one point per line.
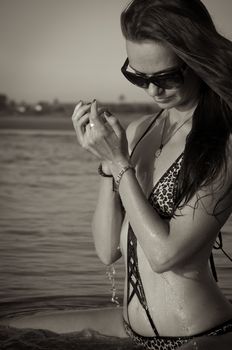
x: 152, y: 57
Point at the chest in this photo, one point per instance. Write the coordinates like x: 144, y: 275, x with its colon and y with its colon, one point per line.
x: 150, y: 168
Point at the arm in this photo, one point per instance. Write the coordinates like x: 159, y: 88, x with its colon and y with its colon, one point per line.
x: 109, y: 214
x: 167, y: 245
x: 107, y: 222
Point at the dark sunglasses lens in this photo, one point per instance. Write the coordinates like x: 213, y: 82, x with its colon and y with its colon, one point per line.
x: 169, y: 82
x: 136, y: 80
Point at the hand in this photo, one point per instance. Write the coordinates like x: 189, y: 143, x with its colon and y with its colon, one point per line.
x: 80, y: 119
x: 108, y: 140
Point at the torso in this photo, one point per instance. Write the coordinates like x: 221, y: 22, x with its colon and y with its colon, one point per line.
x: 179, y: 303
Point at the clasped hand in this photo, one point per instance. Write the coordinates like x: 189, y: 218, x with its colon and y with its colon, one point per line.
x: 100, y: 132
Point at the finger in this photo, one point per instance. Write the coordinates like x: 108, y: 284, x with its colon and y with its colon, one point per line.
x: 82, y: 122
x: 88, y: 140
x: 77, y: 106
x: 94, y: 115
x: 87, y: 134
x: 101, y: 115
x: 80, y: 126
x: 94, y: 111
x: 114, y: 123
x: 78, y: 112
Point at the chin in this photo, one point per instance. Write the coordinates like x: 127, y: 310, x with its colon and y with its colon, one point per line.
x: 166, y: 104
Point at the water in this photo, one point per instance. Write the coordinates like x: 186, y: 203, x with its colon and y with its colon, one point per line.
x: 48, y: 190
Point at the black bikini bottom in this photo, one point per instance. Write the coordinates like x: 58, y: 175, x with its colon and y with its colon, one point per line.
x: 171, y: 343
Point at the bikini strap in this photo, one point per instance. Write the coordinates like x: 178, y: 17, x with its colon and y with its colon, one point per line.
x: 218, y: 245
x: 146, y: 131
x: 136, y: 283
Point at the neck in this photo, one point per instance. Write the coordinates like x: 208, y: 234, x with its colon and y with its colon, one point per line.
x: 189, y: 104
x: 177, y: 115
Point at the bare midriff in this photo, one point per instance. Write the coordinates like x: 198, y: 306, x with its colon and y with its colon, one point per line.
x: 181, y: 302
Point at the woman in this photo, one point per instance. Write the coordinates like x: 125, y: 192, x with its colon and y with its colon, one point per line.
x: 171, y: 173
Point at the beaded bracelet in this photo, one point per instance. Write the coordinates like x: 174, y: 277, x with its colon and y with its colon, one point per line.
x: 120, y: 175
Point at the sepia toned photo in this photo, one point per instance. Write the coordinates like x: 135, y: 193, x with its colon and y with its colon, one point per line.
x: 115, y: 174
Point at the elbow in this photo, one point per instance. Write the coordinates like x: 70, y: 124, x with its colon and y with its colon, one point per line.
x: 163, y: 264
x: 107, y: 250
x: 109, y: 259
x: 160, y: 268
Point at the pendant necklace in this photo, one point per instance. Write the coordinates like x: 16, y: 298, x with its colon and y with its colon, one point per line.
x: 162, y: 143
x: 159, y: 150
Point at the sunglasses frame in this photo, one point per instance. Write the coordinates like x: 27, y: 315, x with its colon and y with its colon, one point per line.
x: 156, y: 78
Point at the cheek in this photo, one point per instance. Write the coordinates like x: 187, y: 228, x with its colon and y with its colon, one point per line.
x: 173, y: 94
x: 175, y: 97
x: 180, y: 94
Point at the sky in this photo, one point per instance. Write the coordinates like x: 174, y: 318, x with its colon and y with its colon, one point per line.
x: 71, y: 49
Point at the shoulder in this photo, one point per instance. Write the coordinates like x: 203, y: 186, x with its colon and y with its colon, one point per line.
x: 211, y: 206
x: 213, y: 201
x: 137, y: 128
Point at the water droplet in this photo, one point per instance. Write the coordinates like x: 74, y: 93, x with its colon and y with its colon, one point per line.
x: 110, y: 273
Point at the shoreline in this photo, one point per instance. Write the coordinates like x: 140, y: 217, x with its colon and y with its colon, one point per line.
x: 105, y: 320
x: 35, y: 122
x: 50, y: 122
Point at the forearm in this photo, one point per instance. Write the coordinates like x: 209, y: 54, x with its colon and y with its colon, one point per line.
x: 151, y: 231
x: 107, y: 222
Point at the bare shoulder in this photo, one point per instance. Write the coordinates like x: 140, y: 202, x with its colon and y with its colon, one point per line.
x: 196, y: 225
x: 136, y: 128
x: 222, y: 183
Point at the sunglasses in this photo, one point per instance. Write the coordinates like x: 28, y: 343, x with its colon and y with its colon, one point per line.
x: 171, y: 80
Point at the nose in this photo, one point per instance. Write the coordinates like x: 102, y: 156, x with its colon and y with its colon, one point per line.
x: 153, y: 90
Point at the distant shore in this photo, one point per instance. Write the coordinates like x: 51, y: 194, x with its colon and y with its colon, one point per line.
x: 49, y: 122
x: 44, y: 122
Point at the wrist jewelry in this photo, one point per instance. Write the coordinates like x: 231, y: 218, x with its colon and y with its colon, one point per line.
x: 120, y: 175
x: 101, y: 172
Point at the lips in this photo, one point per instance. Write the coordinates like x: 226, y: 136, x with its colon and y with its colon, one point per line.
x: 163, y: 100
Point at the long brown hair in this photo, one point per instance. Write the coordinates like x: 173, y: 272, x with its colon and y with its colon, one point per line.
x: 187, y: 28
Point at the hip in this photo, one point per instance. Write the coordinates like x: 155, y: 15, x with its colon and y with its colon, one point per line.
x: 171, y: 343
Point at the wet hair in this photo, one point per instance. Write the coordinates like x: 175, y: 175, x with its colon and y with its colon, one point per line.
x: 187, y: 28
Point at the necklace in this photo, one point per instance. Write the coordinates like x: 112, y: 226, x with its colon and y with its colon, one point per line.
x: 162, y: 143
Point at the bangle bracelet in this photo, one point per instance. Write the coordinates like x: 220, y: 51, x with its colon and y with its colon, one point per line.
x: 101, y: 172
x: 120, y: 175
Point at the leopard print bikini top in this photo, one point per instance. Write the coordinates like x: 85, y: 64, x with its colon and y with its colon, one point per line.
x: 163, y: 195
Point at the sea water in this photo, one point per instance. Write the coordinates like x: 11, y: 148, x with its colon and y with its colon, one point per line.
x: 48, y: 191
